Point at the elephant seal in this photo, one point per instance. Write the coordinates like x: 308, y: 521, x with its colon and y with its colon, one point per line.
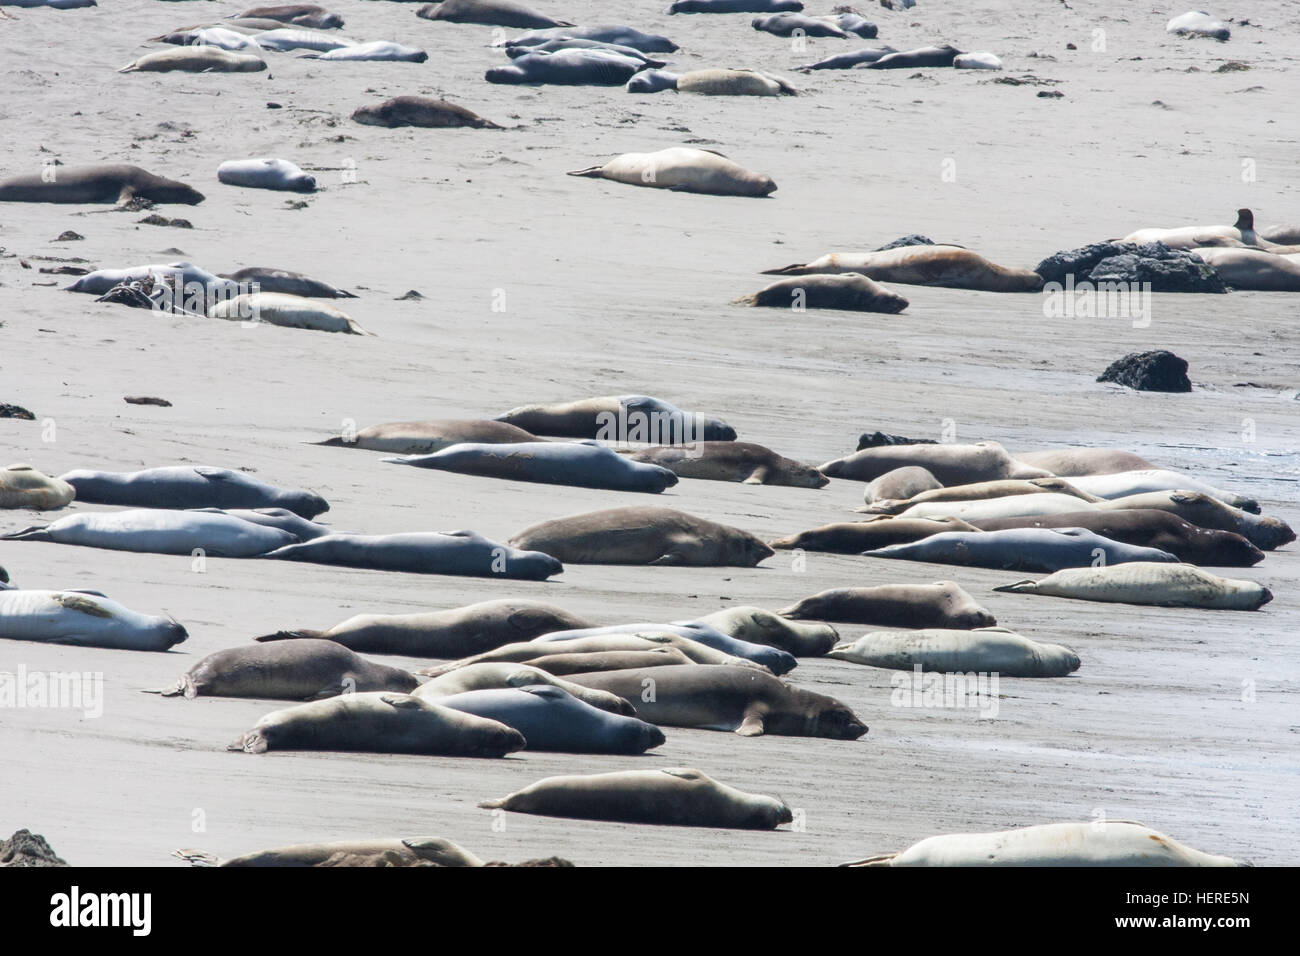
x: 736, y: 6
x: 266, y: 174
x: 581, y: 464
x: 620, y: 35
x: 453, y: 633
x: 1124, y: 483
x: 677, y: 796
x: 300, y: 14
x: 643, y: 535
x: 492, y: 13
x: 554, y: 720
x: 184, y: 275
x: 993, y: 650
x: 424, y: 552
x: 976, y: 491
x: 1021, y: 549
x: 796, y: 24
x: 899, y: 483
x: 1251, y: 270
x: 490, y: 675
x: 83, y: 619
x: 847, y: 61
x: 942, y: 604
x: 283, y: 39
x: 1097, y: 843
x: 949, y: 463
x: 281, y: 518
x: 423, y: 111
x: 188, y: 486
x: 115, y: 183
x: 160, y: 531
x: 595, y: 661
x: 525, y: 652
x: 381, y: 722
x: 196, y: 59
x: 288, y: 311
x: 286, y: 282
x: 423, y: 438
x: 52, y: 4
x: 571, y: 67
x: 1077, y: 462
x: 1008, y: 506
x: 854, y: 293
x: 1263, y: 532
x: 384, y: 51
x: 1283, y: 235
x: 1147, y: 527
x: 733, y: 83
x: 22, y: 486
x: 738, y: 699
x: 741, y: 461
x: 416, y: 851
x: 625, y: 418
x: 576, y: 43
x: 977, y: 61
x: 288, y: 670
x: 683, y: 169
x: 1197, y: 24
x: 1190, y: 237
x: 880, y: 531
x: 759, y: 626
x: 924, y: 57
x: 1142, y: 582
x: 765, y: 655
x: 950, y: 267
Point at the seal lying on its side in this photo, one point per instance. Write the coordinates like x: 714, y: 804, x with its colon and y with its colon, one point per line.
x: 999, y: 488
x: 632, y: 418
x: 188, y: 486
x: 951, y: 464
x: 1125, y: 483
x: 880, y: 531
x: 992, y: 650
x: 1021, y: 549
x: 620, y: 35
x: 570, y: 67
x: 773, y: 658
x: 490, y: 675
x: 161, y: 531
x: 1077, y: 462
x: 682, y: 169
x: 22, y: 486
x: 83, y: 619
x: 854, y: 293
x: 926, y: 56
x: 1252, y: 270
x: 759, y: 626
x: 1267, y: 533
x: 431, y: 850
x: 492, y: 13
x: 745, y: 462
x: 422, y: 111
x: 289, y: 283
x: 942, y: 604
x: 577, y: 463
x: 1162, y: 585
x: 266, y: 173
x: 288, y: 311
x: 424, y: 552
x: 949, y: 267
x: 116, y: 183
x: 196, y: 59
x: 425, y: 438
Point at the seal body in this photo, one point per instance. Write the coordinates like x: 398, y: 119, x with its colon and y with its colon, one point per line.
x: 854, y: 293
x: 284, y: 38
x: 581, y: 464
x: 550, y: 718
x: 629, y: 418
x: 761, y: 626
x: 93, y: 184
x: 881, y: 531
x: 1074, y: 462
x: 789, y: 23
x: 493, y: 13
x: 83, y: 620
x: 186, y: 486
x: 159, y: 531
x: 460, y: 552
x: 490, y: 675
x: 266, y: 174
x: 682, y: 169
x: 847, y: 61
x: 946, y: 266
x: 196, y: 59
x: 185, y: 275
x: 288, y: 283
x: 621, y: 35
x: 976, y: 61
x: 572, y: 67
x: 900, y: 483
x: 733, y: 83
x: 425, y: 111
x: 1196, y: 24
x: 1124, y: 483
x: 1163, y: 585
x: 1264, y: 532
x: 732, y: 461
x: 378, y: 50
x: 22, y: 486
x: 943, y: 604
x: 981, y: 490
x: 301, y: 14
x: 993, y: 650
x: 596, y: 661
x: 924, y: 57
x: 1251, y: 270
x: 736, y: 6
x: 951, y: 464
x: 289, y: 311
x: 289, y: 670
x: 1021, y: 549
x: 415, y: 851
x: 773, y: 658
x: 423, y: 438
x: 1007, y: 506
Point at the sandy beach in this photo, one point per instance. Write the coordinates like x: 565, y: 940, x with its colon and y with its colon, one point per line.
x: 1185, y: 720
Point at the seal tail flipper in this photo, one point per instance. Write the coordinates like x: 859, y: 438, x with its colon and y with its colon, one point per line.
x: 1020, y: 587
x: 336, y: 440
x: 129, y: 68
x: 794, y: 269
x: 176, y: 690
x: 589, y: 171
x: 746, y: 300
x: 252, y: 742
x: 34, y: 533
x: 197, y: 857
x: 493, y: 804
x: 344, y: 294
x: 1245, y: 221
x: 308, y: 55
x: 885, y: 859
x: 355, y: 329
x: 292, y: 635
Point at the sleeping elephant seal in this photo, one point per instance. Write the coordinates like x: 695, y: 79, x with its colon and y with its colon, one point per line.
x: 618, y: 35
x: 424, y: 552
x: 880, y: 531
x: 905, y: 482
x: 1098, y: 843
x: 287, y: 311
x: 299, y: 14
x: 281, y: 518
x: 1161, y: 585
x: 491, y: 675
x: 581, y: 464
x: 626, y: 418
x: 595, y: 661
x: 116, y: 183
x: 424, y: 438
x: 1282, y: 235
x: 735, y: 6
x: 1190, y: 237
x: 380, y: 722
x: 525, y: 652
x: 677, y: 796
x: 290, y: 670
x: 1252, y: 270
x: 796, y: 24
x: 847, y: 61
x: 733, y: 83
x: 424, y: 111
x: 950, y: 267
x: 643, y: 535
x: 22, y: 486
x: 1021, y: 549
x: 992, y: 650
x: 951, y: 464
x: 1076, y: 462
x: 83, y: 619
x: 695, y: 632
x: 1149, y: 528
x: 741, y: 461
x: 979, y: 490
x: 196, y: 59
x: 942, y: 604
x: 1125, y: 483
x: 551, y: 719
x: 926, y: 56
x: 759, y: 626
x: 492, y: 13
x: 188, y: 486
x: 1263, y: 532
x: 289, y: 283
x: 853, y: 293
x: 160, y: 531
x: 453, y: 633
x: 1008, y: 506
x: 571, y: 67
x: 738, y: 699
x: 577, y: 43
x: 376, y: 51
x: 683, y: 169
x: 652, y: 81
x: 266, y: 173
x: 433, y: 851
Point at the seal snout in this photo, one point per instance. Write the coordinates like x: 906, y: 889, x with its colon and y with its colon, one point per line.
x: 1265, y: 596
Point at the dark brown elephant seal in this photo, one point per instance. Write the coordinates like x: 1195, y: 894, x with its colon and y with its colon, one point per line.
x: 425, y: 438
x: 293, y: 670
x: 116, y: 183
x: 740, y: 699
x: 853, y: 293
x: 453, y: 633
x: 1263, y: 532
x: 942, y: 604
x: 1076, y: 462
x: 950, y: 463
x: 643, y: 535
x: 900, y: 483
x: 1148, y: 527
x: 741, y: 461
x: 854, y: 537
x: 492, y: 13
x: 420, y: 111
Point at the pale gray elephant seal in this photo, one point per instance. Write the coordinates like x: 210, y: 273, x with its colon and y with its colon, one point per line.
x: 1125, y: 483
x: 982, y: 490
x: 196, y: 59
x: 1141, y: 582
x: 554, y: 720
x: 576, y: 43
x: 683, y: 169
x: 424, y: 552
x: 598, y: 661
x: 1077, y: 462
x: 951, y: 464
x: 696, y: 632
x: 52, y: 4
x: 379, y: 51
x: 950, y: 267
x: 715, y: 82
x: 880, y: 531
x: 740, y: 699
x: 900, y: 483
x: 300, y: 14
x: 187, y: 486
x: 424, y: 438
x: 526, y: 652
x: 991, y: 650
x: 289, y: 670
x: 619, y: 35
x: 83, y: 619
x: 287, y: 283
x: 116, y: 183
x: 570, y: 67
x: 1283, y: 235
x: 1253, y: 270
x: 1198, y: 24
x: 424, y: 111
x: 740, y: 461
x: 759, y: 626
x: 576, y: 463
x: 266, y: 173
x: 942, y: 604
x: 22, y: 486
x: 286, y: 311
x: 1096, y: 843
x: 160, y: 531
x: 281, y: 518
x: 643, y: 535
x: 852, y: 293
x: 622, y: 418
x: 415, y: 851
x: 494, y: 675
x: 791, y: 24
x: 381, y: 722
x: 492, y: 13
x: 453, y: 633
x: 676, y: 796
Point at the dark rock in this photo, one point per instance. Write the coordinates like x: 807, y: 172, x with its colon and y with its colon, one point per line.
x: 69, y: 236
x: 16, y: 411
x: 1050, y: 94
x: 25, y: 848
x: 146, y: 400
x: 1157, y: 371
x: 1168, y: 270
x: 876, y: 439
x: 157, y: 220
x: 911, y: 240
x: 410, y: 295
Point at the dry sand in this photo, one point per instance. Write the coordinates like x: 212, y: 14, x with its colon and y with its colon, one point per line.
x: 615, y: 289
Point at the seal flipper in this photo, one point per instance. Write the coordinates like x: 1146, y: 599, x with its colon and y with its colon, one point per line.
x: 252, y: 742
x: 752, y: 725
x: 35, y: 533
x: 1245, y: 221
x: 182, y: 688
x: 793, y: 269
x: 198, y: 857
x: 1020, y: 587
x: 335, y: 441
x: 595, y: 171
x: 757, y: 477
x: 292, y: 635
